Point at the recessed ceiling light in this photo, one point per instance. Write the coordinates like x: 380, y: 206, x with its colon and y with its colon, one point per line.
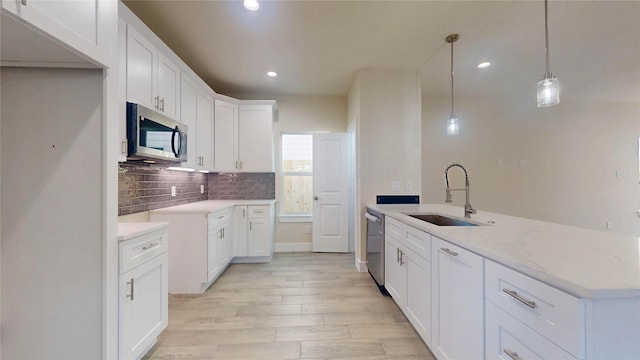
x: 272, y: 74
x: 483, y: 65
x: 251, y: 5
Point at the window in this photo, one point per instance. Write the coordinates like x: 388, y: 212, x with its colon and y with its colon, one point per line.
x: 297, y: 175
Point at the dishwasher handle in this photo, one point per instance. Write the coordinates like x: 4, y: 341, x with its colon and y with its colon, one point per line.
x: 372, y: 218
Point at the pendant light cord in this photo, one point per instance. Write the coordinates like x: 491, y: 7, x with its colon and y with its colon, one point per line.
x: 452, y: 79
x: 546, y: 38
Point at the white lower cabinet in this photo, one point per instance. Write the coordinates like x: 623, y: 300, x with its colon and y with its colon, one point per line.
x: 509, y: 339
x: 200, y: 251
x: 253, y: 233
x: 408, y: 275
x: 143, y: 300
x: 458, y: 302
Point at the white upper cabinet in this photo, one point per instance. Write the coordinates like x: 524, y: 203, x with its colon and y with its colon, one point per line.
x: 87, y: 26
x: 226, y: 136
x: 188, y: 116
x: 152, y: 79
x: 204, y: 128
x: 243, y: 137
x: 255, y: 138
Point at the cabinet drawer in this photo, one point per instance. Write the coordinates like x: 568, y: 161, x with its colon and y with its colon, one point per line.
x: 217, y: 218
x: 392, y: 228
x: 258, y: 211
x: 417, y: 240
x: 140, y: 249
x: 552, y: 313
x: 509, y: 339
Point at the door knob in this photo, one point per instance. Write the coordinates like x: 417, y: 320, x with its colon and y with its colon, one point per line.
x: 315, y: 198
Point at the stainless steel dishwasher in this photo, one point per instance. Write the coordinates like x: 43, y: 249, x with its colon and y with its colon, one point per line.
x: 375, y: 235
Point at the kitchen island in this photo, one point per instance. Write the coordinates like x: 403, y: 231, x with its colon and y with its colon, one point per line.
x: 513, y: 286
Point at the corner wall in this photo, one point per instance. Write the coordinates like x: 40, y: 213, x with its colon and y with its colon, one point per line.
x: 387, y: 106
x: 571, y: 153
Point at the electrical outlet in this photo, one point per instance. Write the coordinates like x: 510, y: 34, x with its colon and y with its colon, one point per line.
x: 499, y: 162
x: 609, y: 225
x: 201, y: 189
x: 620, y: 174
x: 173, y: 190
x: 395, y: 185
x: 307, y: 229
x: 523, y: 163
x: 409, y: 186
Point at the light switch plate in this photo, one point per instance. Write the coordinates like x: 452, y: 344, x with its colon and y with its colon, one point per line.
x: 201, y: 189
x: 173, y: 190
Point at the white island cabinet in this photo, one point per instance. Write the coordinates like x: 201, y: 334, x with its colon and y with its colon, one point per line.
x: 511, y: 288
x: 458, y: 302
x: 408, y: 273
x: 143, y: 291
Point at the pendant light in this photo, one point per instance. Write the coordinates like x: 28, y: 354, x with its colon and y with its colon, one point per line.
x: 453, y: 125
x: 549, y: 86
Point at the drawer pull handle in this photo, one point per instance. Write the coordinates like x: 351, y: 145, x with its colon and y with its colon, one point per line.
x: 512, y: 354
x: 150, y: 246
x: 220, y: 217
x: 452, y: 253
x: 130, y: 283
x: 514, y: 294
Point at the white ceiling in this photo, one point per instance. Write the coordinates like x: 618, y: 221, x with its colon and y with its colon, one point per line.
x: 318, y: 47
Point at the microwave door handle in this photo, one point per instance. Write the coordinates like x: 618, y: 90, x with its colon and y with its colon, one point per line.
x: 173, y: 142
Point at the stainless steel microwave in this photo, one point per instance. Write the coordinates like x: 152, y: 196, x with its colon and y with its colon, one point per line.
x: 154, y: 138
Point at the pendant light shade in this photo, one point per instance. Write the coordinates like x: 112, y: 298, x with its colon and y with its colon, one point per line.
x: 453, y: 124
x: 549, y: 87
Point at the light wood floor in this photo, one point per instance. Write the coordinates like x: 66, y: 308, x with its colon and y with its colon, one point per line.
x: 299, y: 306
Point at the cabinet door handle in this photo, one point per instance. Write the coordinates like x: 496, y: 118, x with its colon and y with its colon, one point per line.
x: 130, y: 283
x: 397, y: 255
x: 240, y: 164
x: 452, y: 253
x: 24, y: 2
x: 401, y: 257
x: 150, y: 246
x: 236, y: 164
x: 157, y: 99
x: 512, y: 354
x: 514, y: 294
x: 243, y: 212
x: 162, y: 104
x: 250, y: 225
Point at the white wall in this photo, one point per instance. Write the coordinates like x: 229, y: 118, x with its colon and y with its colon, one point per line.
x: 571, y: 153
x: 304, y: 114
x: 386, y: 104
x: 52, y: 214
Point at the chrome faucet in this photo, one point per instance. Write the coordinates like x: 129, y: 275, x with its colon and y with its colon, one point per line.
x: 468, y: 209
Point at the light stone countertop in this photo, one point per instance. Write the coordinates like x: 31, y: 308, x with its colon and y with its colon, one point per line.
x: 208, y: 206
x: 582, y: 262
x: 128, y: 231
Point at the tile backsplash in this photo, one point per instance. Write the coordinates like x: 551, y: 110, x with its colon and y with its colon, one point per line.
x: 144, y: 188
x: 257, y: 186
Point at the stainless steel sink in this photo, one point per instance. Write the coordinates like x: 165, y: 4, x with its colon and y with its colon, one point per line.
x: 441, y: 220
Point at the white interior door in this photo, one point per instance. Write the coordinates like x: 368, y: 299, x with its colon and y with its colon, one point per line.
x: 330, y: 193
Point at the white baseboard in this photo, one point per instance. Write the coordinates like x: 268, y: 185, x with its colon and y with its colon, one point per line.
x: 292, y: 247
x: 361, y: 266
